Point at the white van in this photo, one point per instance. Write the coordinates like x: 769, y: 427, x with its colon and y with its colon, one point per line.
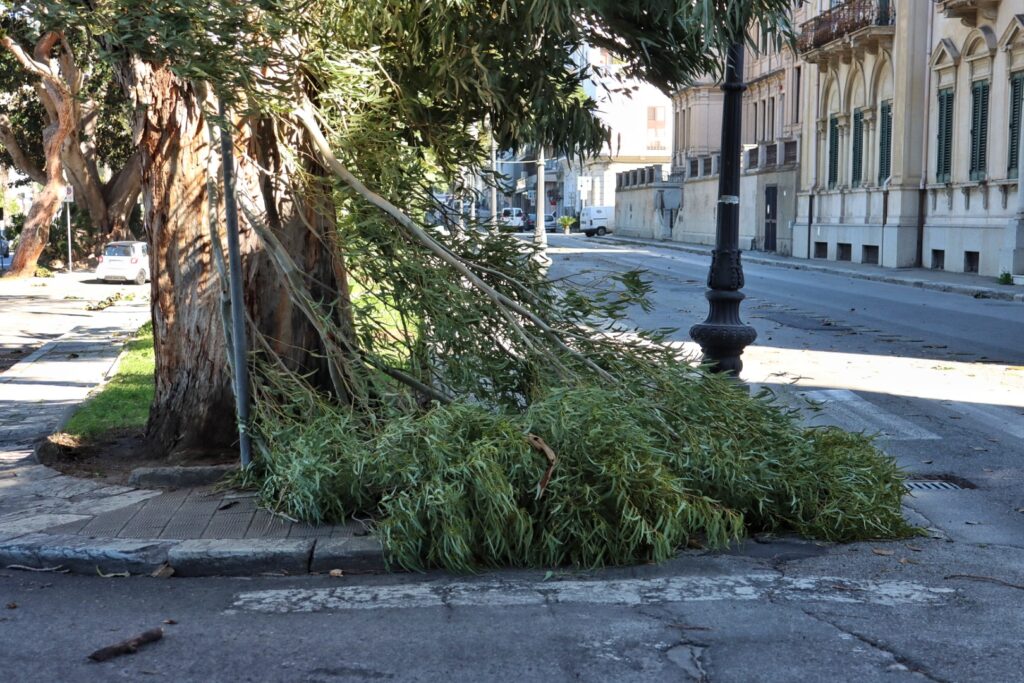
x: 512, y: 218
x: 597, y: 220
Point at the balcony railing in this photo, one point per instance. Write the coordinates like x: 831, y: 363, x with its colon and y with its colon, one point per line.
x: 843, y: 20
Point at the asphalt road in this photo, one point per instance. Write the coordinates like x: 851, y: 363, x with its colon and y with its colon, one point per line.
x: 917, y: 367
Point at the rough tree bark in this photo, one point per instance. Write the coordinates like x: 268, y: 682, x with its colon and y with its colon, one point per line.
x: 58, y: 97
x: 193, y: 406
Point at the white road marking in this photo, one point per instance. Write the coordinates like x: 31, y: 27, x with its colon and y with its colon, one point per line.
x: 857, y: 414
x: 1003, y: 419
x: 495, y: 593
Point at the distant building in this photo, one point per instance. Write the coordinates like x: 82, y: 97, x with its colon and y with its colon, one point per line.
x: 771, y: 143
x: 641, y: 135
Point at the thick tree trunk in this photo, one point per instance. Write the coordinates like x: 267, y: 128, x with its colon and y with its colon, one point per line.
x: 193, y: 407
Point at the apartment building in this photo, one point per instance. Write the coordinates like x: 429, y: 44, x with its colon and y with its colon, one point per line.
x: 641, y: 135
x: 912, y: 118
x: 772, y: 128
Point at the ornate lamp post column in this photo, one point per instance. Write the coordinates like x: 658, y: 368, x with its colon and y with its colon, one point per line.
x: 723, y: 336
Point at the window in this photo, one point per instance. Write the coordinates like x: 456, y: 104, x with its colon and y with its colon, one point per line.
x: 858, y: 147
x: 771, y: 120
x: 1016, y: 103
x: 885, y: 142
x: 754, y: 119
x: 796, y: 95
x: 979, y: 130
x: 944, y: 150
x: 655, y: 128
x: 833, y: 151
x: 764, y: 121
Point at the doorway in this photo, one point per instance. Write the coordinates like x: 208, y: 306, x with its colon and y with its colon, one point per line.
x: 771, y: 216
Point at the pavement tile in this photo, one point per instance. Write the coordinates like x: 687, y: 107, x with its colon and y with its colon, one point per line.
x: 191, y: 519
x: 34, y: 523
x: 266, y: 525
x: 310, y: 530
x: 109, y: 524
x: 153, y: 516
x: 229, y: 524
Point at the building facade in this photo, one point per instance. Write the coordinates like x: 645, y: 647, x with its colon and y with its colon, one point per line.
x: 912, y: 117
x: 771, y: 142
x: 641, y: 135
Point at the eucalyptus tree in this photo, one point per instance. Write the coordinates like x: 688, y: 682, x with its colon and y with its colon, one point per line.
x: 442, y: 381
x: 64, y: 119
x: 390, y: 89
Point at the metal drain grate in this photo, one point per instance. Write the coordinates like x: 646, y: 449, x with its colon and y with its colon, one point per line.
x: 931, y: 485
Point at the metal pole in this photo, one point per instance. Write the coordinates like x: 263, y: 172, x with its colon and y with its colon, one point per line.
x: 71, y: 266
x: 238, y: 351
x: 494, y: 182
x: 723, y: 336
x: 540, y: 234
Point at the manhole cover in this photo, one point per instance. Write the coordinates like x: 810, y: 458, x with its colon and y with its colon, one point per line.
x: 931, y: 485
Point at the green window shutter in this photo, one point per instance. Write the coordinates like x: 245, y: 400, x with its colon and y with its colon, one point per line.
x: 858, y: 147
x: 944, y: 150
x: 979, y: 130
x: 833, y: 151
x: 1016, y: 103
x: 885, y: 142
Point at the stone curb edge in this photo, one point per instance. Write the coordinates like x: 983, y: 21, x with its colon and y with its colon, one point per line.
x: 192, y: 558
x: 968, y: 290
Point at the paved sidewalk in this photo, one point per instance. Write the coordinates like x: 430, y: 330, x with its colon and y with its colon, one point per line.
x: 969, y: 284
x: 51, y: 520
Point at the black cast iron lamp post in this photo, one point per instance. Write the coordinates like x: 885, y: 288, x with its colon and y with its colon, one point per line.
x: 723, y: 336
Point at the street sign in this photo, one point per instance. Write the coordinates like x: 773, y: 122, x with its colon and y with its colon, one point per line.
x: 584, y: 183
x: 69, y: 193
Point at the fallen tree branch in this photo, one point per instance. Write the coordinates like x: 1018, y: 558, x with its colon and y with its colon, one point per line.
x: 127, y: 647
x: 988, y: 579
x: 540, y: 445
x: 59, y: 568
x: 306, y: 116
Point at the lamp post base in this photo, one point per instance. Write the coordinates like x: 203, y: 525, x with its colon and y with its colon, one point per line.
x: 723, y: 336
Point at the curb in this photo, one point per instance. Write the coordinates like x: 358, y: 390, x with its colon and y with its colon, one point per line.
x: 193, y: 558
x: 974, y: 291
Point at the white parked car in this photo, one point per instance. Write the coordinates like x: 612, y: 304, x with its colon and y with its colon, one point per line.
x: 124, y: 261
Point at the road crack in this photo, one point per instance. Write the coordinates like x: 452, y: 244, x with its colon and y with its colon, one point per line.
x: 903, y: 660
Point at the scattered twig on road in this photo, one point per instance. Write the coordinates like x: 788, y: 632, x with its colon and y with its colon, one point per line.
x: 127, y: 647
x: 59, y: 568
x: 989, y: 579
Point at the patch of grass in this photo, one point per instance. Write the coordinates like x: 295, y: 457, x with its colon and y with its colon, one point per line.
x: 123, y: 403
x: 1005, y: 278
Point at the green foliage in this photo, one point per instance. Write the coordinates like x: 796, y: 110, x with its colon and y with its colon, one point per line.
x: 639, y: 472
x: 122, y: 403
x: 1005, y: 278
